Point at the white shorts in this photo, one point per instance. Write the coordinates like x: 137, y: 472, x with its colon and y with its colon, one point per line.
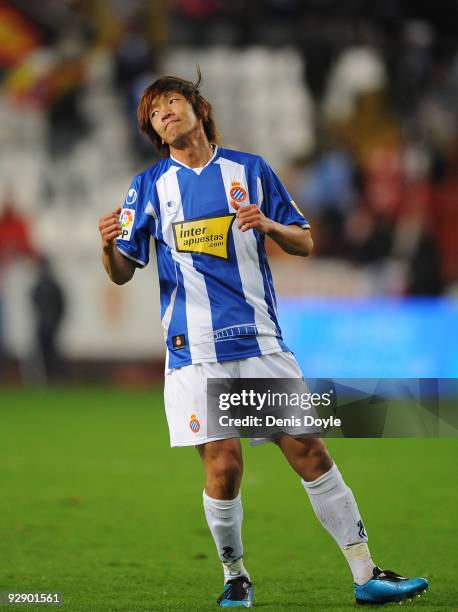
x: 185, y: 391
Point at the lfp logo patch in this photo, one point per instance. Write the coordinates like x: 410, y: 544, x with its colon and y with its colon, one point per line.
x: 194, y: 423
x: 126, y: 219
x: 238, y: 193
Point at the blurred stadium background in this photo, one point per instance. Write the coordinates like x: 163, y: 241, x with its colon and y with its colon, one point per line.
x: 354, y: 103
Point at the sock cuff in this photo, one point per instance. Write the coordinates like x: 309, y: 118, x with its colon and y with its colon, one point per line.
x: 357, y: 552
x: 222, y: 504
x: 323, y: 483
x: 235, y: 569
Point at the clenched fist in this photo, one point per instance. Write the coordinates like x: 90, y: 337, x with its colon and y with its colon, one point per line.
x: 110, y: 228
x: 251, y: 217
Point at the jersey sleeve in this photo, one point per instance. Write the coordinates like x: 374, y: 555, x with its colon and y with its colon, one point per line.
x: 274, y: 200
x: 137, y: 224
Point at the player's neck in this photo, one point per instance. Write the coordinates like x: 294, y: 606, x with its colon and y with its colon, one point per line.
x: 194, y: 152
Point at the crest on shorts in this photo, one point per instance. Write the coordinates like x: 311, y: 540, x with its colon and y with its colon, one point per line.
x: 237, y: 192
x: 194, y: 423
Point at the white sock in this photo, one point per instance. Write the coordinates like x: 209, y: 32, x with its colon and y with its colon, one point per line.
x: 360, y: 562
x: 336, y: 508
x: 224, y: 518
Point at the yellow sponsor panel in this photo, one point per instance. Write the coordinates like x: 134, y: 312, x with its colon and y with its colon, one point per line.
x: 209, y: 236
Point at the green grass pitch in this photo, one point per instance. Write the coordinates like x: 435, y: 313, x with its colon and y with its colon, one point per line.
x: 95, y: 505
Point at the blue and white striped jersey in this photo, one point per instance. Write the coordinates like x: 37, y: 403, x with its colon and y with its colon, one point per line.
x: 217, y: 296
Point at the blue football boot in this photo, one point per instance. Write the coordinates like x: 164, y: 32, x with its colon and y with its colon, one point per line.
x: 389, y: 587
x: 237, y: 593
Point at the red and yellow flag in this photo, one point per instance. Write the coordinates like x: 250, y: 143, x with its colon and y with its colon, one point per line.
x: 18, y: 36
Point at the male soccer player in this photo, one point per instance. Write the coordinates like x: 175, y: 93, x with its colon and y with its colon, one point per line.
x: 209, y: 210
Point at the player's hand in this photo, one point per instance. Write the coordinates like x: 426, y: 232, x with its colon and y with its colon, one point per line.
x: 251, y: 217
x: 110, y: 228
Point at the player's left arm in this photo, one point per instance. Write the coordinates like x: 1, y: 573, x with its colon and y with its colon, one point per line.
x: 293, y: 239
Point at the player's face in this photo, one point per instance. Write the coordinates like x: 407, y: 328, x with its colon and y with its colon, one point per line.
x: 173, y: 117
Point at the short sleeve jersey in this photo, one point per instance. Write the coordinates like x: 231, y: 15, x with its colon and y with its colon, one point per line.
x: 217, y: 297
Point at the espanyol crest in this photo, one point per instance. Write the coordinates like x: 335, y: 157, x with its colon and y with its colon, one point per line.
x: 237, y: 192
x: 194, y: 423
x: 131, y: 196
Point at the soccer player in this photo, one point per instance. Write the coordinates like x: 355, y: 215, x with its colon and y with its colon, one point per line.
x: 209, y: 210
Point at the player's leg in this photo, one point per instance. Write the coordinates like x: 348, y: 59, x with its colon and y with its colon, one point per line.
x: 223, y: 464
x: 336, y: 508
x: 185, y: 396
x: 331, y: 499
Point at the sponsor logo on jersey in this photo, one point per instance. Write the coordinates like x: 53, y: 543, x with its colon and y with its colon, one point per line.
x: 131, y: 196
x: 126, y: 219
x: 238, y: 193
x: 209, y: 236
x: 194, y: 423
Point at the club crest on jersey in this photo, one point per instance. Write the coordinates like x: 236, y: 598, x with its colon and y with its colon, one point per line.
x: 126, y: 219
x: 131, y: 196
x: 194, y: 423
x: 238, y: 193
x: 209, y: 236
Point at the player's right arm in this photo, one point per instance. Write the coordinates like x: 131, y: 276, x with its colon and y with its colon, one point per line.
x: 120, y: 269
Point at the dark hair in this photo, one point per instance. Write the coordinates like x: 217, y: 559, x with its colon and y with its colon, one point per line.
x: 167, y: 84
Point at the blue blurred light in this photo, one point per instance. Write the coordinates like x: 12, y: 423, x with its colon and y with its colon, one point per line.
x: 416, y: 338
